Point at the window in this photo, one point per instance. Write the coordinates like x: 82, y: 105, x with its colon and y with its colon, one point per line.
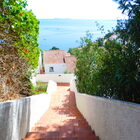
x: 51, y: 69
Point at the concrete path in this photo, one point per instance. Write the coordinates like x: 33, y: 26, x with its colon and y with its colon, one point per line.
x: 62, y: 121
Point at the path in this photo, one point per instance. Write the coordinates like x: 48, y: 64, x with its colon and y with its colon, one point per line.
x: 62, y: 121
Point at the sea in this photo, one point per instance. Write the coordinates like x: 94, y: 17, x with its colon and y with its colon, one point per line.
x: 67, y: 33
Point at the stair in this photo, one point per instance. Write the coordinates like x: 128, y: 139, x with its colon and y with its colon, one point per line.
x: 62, y: 121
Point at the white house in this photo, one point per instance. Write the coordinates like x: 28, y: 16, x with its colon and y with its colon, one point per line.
x: 58, y: 62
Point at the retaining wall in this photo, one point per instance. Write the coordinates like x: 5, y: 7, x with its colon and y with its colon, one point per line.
x: 17, y: 117
x: 59, y: 78
x: 111, y: 119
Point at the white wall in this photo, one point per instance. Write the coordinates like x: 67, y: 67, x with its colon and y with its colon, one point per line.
x: 58, y: 68
x: 17, y: 117
x: 52, y: 87
x: 60, y: 78
x: 111, y: 119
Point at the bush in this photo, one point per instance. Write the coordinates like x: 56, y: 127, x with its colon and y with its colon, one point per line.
x: 19, y: 50
x: 113, y: 72
x: 39, y: 88
x: 109, y: 71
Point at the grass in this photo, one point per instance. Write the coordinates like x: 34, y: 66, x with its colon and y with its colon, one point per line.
x: 40, y: 88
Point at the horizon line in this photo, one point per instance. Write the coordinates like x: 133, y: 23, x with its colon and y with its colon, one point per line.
x: 79, y: 19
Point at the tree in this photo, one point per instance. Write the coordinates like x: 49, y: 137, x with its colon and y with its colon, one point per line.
x: 129, y: 29
x: 89, y: 60
x: 100, y: 41
x: 128, y: 32
x: 73, y: 51
x: 20, y: 28
x: 54, y: 48
x: 108, y: 71
x: 113, y: 71
x: 118, y: 73
x: 19, y: 50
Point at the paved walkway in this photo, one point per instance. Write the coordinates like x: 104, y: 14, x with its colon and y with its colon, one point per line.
x: 62, y: 121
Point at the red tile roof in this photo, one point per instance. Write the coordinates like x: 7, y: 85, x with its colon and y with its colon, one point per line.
x: 54, y: 56
x: 60, y: 56
x: 71, y: 63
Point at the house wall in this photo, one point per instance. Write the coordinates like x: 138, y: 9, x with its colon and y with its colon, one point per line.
x: 58, y: 68
x: 111, y: 119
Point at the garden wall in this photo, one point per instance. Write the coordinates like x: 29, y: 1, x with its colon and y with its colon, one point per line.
x: 59, y: 78
x: 17, y: 117
x: 111, y: 119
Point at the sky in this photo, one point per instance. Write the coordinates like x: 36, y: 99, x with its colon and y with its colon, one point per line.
x: 75, y: 9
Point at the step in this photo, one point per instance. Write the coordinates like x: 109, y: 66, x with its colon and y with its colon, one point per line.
x: 62, y: 121
x: 39, y: 128
x: 66, y: 138
x: 83, y: 132
x: 88, y: 138
x: 41, y: 139
x: 45, y: 129
x: 39, y: 135
x: 81, y: 138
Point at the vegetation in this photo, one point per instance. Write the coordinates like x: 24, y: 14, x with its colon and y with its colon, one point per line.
x: 72, y: 51
x: 54, y: 48
x: 19, y: 50
x: 39, y: 88
x: 108, y: 71
x: 128, y: 30
x: 66, y: 72
x: 113, y: 71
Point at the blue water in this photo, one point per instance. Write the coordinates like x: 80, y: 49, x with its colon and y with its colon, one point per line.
x: 66, y: 33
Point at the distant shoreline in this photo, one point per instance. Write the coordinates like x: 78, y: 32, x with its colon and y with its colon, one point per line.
x: 77, y: 19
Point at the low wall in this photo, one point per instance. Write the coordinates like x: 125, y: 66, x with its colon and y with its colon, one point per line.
x: 52, y: 87
x: 18, y: 116
x: 59, y: 78
x: 111, y: 119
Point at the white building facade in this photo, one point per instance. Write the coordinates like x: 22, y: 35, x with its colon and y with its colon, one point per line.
x: 57, y: 62
x: 55, y: 68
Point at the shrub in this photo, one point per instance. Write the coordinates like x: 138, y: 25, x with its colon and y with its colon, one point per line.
x: 39, y: 88
x: 19, y: 50
x: 114, y: 73
x: 109, y: 71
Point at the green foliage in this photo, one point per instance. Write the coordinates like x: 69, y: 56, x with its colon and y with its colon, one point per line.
x: 114, y: 70
x: 54, y: 48
x: 118, y: 74
x: 19, y: 50
x: 66, y: 72
x: 108, y: 71
x: 40, y: 88
x: 128, y: 32
x: 100, y: 41
x: 129, y: 29
x: 108, y: 35
x: 20, y: 28
x: 73, y: 51
x: 89, y: 61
